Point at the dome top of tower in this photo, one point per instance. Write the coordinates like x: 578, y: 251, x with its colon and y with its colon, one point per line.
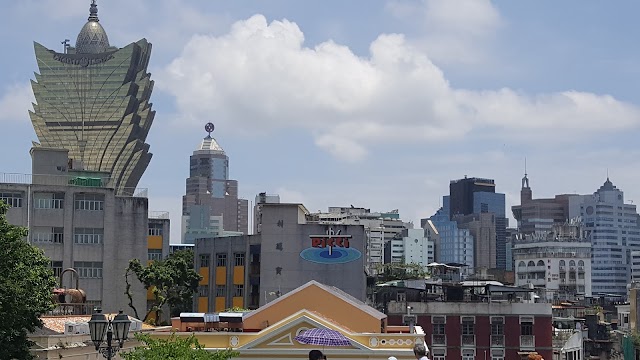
x: 92, y: 39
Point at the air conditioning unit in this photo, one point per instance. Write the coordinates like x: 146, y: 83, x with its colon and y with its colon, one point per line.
x: 136, y: 325
x: 73, y: 328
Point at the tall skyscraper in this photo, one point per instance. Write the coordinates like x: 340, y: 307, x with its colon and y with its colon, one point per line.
x: 93, y: 99
x: 211, y: 194
x: 470, y: 196
x: 615, y: 233
x: 455, y: 245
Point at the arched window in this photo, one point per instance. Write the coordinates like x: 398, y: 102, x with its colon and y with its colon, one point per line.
x: 580, y: 263
x: 562, y: 263
x: 522, y: 264
x: 572, y: 263
x: 540, y: 263
x: 531, y: 263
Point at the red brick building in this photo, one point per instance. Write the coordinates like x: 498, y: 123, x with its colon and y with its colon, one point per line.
x: 496, y: 330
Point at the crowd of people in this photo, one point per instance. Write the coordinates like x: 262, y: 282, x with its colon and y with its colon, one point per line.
x: 419, y: 350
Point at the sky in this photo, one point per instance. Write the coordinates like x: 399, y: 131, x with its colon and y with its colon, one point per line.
x: 376, y: 104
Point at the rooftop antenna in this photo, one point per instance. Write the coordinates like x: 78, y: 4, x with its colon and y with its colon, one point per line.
x: 65, y: 45
x: 209, y: 128
x: 607, y: 174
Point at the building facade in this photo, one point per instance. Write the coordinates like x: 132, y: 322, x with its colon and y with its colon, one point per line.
x: 479, y: 330
x: 456, y: 245
x: 94, y: 100
x: 557, y: 263
x: 80, y: 222
x: 614, y: 234
x: 539, y: 215
x: 291, y: 249
x: 211, y: 195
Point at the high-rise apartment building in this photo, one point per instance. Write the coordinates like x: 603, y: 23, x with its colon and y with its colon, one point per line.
x: 211, y: 195
x: 615, y: 233
x: 93, y: 100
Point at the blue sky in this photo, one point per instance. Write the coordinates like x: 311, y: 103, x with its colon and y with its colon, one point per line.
x: 367, y: 103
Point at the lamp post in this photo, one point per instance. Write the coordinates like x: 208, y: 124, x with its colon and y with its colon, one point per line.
x: 117, y: 327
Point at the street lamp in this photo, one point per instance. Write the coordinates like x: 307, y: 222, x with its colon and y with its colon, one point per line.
x: 117, y: 327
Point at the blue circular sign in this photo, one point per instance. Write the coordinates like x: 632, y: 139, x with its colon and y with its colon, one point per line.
x: 337, y: 255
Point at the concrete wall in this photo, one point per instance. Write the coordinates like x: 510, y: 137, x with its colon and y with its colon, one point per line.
x: 285, y: 235
x: 125, y: 229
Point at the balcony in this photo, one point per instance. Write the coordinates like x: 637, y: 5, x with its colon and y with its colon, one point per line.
x: 581, y: 269
x: 562, y: 268
x: 439, y: 340
x: 468, y: 340
x: 497, y: 340
x: 527, y: 342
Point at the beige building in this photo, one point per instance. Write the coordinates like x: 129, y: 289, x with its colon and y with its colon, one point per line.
x: 482, y: 227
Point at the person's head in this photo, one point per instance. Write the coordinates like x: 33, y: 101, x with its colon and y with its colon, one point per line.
x: 315, y: 355
x: 392, y: 358
x: 419, y: 350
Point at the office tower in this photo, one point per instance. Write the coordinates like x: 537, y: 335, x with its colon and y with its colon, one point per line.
x: 474, y: 196
x: 211, y: 205
x: 539, y: 215
x: 93, y: 100
x: 454, y: 245
x: 614, y: 233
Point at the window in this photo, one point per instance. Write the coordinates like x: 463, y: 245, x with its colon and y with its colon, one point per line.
x: 88, y: 235
x: 203, y: 290
x: 54, y: 235
x: 439, y: 337
x: 91, y: 202
x: 154, y: 254
x: 526, y: 326
x: 155, y: 229
x: 580, y: 263
x: 220, y: 290
x: 56, y: 266
x: 497, y: 331
x: 521, y: 264
x: 238, y: 290
x: 221, y: 259
x: 239, y: 259
x: 562, y: 263
x: 572, y: 263
x: 439, y: 354
x: 531, y: 263
x: 13, y: 199
x: 540, y: 263
x: 204, y: 260
x: 468, y: 354
x: 88, y: 269
x: 48, y: 200
x: 497, y: 354
x: 468, y: 325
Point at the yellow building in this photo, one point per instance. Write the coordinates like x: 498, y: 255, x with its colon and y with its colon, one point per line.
x: 270, y: 331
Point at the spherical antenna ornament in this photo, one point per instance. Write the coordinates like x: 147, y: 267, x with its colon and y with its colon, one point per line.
x: 209, y: 128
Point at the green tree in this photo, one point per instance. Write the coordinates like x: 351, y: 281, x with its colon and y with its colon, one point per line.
x: 173, y: 282
x: 26, y: 283
x: 175, y: 347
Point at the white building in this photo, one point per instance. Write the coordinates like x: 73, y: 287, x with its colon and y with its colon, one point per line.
x: 418, y: 248
x: 557, y: 263
x: 614, y: 230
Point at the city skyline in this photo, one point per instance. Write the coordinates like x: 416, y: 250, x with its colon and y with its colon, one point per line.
x: 496, y: 82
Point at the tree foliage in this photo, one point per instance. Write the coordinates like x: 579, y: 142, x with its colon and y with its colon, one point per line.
x: 175, y: 347
x: 173, y: 282
x: 399, y: 271
x: 26, y: 283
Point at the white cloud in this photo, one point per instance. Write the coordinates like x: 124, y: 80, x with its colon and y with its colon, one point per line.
x: 15, y: 103
x: 260, y: 76
x: 451, y: 31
